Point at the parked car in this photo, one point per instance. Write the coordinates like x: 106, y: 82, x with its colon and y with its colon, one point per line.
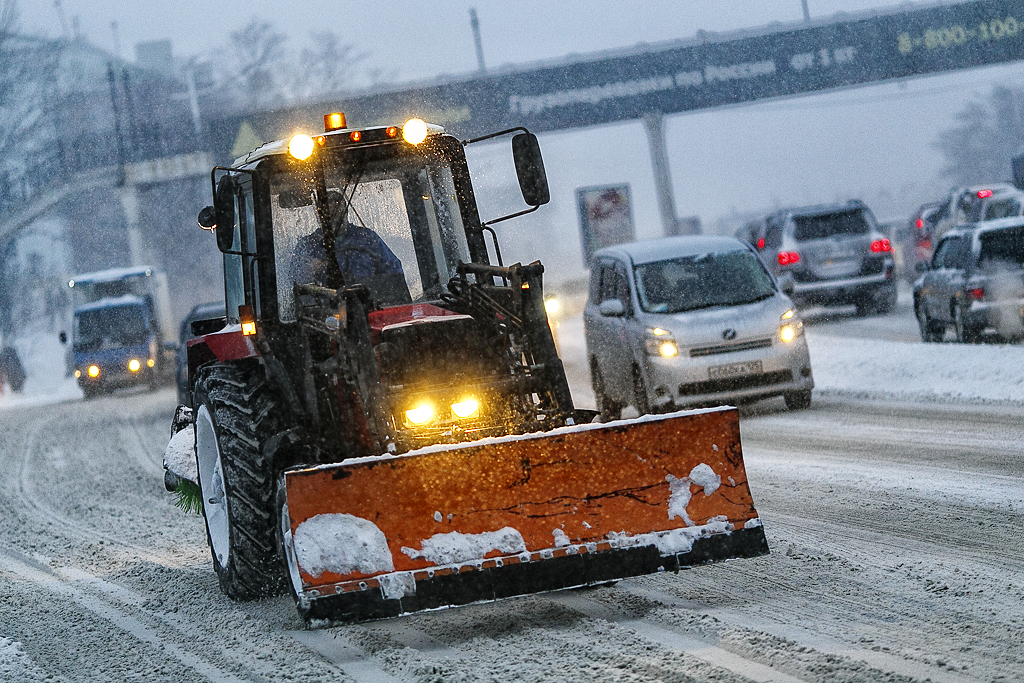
x: 213, y: 312
x: 974, y: 283
x: 689, y: 321
x: 833, y: 255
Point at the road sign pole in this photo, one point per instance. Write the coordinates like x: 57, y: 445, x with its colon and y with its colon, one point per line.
x: 654, y: 125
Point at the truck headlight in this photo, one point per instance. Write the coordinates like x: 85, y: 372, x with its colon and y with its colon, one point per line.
x: 93, y: 371
x: 134, y: 365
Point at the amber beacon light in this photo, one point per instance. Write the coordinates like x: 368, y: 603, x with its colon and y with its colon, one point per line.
x: 334, y: 121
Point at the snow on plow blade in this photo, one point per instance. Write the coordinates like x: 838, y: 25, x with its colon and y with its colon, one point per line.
x: 576, y: 506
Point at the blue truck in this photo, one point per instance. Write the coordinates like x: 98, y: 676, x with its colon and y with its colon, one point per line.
x: 122, y: 334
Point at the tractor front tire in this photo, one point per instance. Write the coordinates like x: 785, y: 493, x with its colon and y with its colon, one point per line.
x: 236, y: 412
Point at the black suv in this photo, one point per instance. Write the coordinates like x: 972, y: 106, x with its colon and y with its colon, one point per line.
x: 974, y: 283
x: 832, y: 255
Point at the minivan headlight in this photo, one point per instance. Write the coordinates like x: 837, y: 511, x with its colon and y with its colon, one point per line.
x: 790, y: 326
x: 659, y: 342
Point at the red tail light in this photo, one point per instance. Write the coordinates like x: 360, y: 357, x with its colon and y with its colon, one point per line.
x: 920, y: 224
x: 984, y: 193
x: 978, y: 293
x: 881, y: 245
x: 788, y: 258
x: 760, y: 243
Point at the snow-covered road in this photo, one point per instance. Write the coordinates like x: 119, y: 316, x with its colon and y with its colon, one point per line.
x: 893, y: 510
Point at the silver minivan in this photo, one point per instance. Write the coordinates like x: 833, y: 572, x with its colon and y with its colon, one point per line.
x: 691, y: 321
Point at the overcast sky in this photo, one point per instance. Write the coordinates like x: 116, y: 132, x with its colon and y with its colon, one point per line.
x: 875, y: 143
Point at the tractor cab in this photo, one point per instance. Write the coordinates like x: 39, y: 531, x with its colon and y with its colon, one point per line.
x: 360, y: 248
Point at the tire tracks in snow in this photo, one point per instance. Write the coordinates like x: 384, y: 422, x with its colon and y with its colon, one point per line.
x: 36, y: 505
x: 70, y: 586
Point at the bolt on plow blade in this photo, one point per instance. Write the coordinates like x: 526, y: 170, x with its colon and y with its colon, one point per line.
x: 455, y: 524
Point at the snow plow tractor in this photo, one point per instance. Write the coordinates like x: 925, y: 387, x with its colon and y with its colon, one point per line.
x: 382, y: 423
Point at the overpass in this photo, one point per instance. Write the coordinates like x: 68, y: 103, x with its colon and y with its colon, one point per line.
x: 647, y: 82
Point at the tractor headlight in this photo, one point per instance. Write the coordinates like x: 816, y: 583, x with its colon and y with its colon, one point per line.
x: 93, y: 371
x: 790, y: 326
x: 421, y: 414
x: 414, y: 131
x: 134, y: 365
x: 466, y: 408
x: 301, y: 146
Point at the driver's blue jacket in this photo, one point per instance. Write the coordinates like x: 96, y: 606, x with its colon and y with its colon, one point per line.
x: 361, y: 253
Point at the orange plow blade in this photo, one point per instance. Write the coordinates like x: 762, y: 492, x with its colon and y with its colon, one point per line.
x: 576, y: 506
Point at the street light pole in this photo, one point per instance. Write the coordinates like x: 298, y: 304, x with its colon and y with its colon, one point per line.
x: 474, y: 22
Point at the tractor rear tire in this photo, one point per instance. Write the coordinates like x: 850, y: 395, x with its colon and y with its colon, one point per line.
x: 236, y: 412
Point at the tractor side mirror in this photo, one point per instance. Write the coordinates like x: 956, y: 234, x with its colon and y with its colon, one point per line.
x: 533, y: 180
x: 224, y: 212
x: 207, y: 218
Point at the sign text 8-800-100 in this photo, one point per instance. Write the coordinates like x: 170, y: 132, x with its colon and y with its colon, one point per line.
x: 952, y: 36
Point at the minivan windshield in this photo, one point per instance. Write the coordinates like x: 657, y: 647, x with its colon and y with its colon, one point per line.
x: 822, y: 226
x: 731, y: 278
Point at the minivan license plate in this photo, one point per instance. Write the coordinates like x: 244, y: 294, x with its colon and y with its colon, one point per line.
x: 735, y: 370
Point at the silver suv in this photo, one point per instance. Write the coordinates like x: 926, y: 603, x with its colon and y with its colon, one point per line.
x: 832, y: 255
x: 690, y: 321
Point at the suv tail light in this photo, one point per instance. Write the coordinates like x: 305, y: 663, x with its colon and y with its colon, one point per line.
x: 881, y: 245
x: 977, y: 293
x: 788, y: 258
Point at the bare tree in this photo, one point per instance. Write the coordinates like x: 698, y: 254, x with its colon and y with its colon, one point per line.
x: 258, y: 53
x: 27, y: 72
x: 325, y: 67
x: 987, y: 135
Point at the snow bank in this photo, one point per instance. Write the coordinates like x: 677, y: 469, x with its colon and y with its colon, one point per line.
x: 43, y: 357
x: 917, y: 371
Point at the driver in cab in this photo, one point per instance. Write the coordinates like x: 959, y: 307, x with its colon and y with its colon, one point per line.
x: 361, y: 252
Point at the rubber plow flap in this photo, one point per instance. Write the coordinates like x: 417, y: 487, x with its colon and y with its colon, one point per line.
x: 450, y: 525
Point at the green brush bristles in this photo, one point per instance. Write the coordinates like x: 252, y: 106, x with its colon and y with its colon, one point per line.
x: 190, y: 498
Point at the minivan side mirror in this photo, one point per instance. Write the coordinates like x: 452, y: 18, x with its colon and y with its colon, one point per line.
x: 612, y: 308
x: 533, y: 179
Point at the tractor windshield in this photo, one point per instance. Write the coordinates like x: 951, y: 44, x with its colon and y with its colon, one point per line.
x: 394, y: 218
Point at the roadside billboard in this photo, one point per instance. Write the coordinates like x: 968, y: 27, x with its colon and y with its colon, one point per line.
x: 606, y: 217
